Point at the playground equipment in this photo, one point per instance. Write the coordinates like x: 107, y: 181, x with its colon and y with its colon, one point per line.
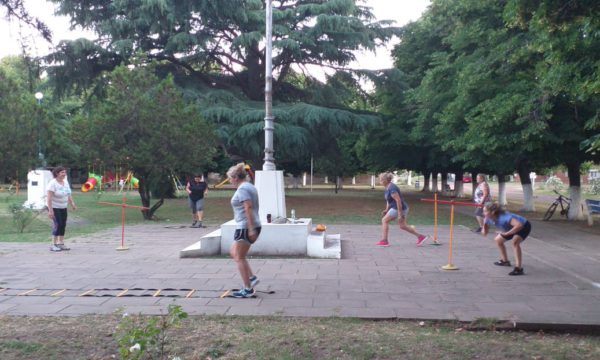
x: 452, y: 203
x: 92, y: 181
x: 96, y: 181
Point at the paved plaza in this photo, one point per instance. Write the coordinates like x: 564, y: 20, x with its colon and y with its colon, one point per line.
x: 561, y: 285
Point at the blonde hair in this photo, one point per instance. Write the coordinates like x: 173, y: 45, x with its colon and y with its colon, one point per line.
x: 388, y: 176
x: 237, y: 171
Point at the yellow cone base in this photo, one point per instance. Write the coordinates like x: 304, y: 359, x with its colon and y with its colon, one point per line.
x: 122, y: 248
x: 449, y: 267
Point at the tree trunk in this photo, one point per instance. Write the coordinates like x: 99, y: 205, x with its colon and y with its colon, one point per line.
x: 144, y: 191
x: 459, y: 188
x: 409, y: 179
x: 255, y: 83
x: 434, y: 182
x: 445, y: 187
x: 426, y: 175
x: 339, y: 182
x: 575, y: 212
x: 502, y: 190
x: 523, y: 170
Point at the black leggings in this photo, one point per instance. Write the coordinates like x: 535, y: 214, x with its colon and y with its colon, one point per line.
x: 60, y: 222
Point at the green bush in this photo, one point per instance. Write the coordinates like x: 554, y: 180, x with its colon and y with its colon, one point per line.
x: 594, y: 187
x: 142, y: 337
x: 22, y: 216
x: 554, y: 183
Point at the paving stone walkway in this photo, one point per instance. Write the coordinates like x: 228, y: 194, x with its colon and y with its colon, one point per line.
x: 561, y: 285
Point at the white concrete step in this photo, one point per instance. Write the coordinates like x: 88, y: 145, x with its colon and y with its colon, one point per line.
x: 321, y: 245
x: 209, y: 244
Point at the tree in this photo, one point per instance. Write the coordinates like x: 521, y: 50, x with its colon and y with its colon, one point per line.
x: 16, y: 9
x: 564, y: 35
x: 218, y: 42
x: 18, y: 127
x: 144, y: 124
x: 215, y: 52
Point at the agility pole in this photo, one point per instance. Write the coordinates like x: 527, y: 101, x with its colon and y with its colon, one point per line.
x: 452, y: 203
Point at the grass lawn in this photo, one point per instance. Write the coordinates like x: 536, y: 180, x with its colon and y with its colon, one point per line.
x: 212, y: 337
x: 324, y: 206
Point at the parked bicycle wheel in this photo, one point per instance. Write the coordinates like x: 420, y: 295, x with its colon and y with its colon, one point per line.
x: 550, y: 211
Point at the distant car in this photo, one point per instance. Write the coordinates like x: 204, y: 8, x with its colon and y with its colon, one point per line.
x: 466, y: 179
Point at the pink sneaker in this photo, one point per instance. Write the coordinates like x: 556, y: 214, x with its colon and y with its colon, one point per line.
x: 383, y: 243
x: 420, y: 240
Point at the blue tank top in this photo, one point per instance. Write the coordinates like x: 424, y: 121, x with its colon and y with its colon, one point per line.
x: 503, y: 221
x: 392, y: 188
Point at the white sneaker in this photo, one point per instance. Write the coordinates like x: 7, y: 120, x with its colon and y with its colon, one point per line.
x: 55, y: 248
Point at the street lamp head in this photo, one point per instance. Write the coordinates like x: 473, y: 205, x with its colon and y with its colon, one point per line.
x: 39, y: 95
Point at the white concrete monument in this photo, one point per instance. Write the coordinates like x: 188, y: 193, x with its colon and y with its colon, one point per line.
x: 37, y: 185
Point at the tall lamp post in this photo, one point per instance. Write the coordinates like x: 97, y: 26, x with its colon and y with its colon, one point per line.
x: 269, y: 181
x: 39, y: 96
x: 269, y: 163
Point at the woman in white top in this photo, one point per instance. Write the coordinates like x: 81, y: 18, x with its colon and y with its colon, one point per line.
x: 59, y: 196
x: 482, y: 196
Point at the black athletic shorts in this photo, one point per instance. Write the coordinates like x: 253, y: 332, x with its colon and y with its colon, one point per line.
x: 242, y: 235
x: 523, y: 233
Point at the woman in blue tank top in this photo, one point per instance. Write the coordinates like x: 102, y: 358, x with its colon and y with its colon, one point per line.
x: 513, y: 227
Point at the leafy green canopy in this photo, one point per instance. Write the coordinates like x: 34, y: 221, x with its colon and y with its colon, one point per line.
x: 213, y: 38
x: 215, y: 50
x: 567, y: 36
x: 19, y: 126
x: 485, y: 85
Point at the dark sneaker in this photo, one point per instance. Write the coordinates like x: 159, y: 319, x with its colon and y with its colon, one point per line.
x: 254, y: 281
x: 502, y: 263
x: 63, y: 247
x: 517, y: 271
x: 243, y: 293
x: 478, y: 230
x: 200, y: 224
x: 194, y: 224
x: 55, y: 248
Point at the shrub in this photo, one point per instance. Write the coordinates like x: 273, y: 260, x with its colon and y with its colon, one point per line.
x: 594, y: 187
x: 22, y: 216
x: 147, y: 336
x: 554, y: 183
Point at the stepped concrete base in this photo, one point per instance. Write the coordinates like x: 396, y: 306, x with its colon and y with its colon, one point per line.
x: 209, y: 244
x: 275, y: 239
x: 321, y: 245
x: 291, y: 239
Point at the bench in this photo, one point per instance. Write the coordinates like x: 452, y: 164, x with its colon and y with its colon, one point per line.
x: 593, y: 208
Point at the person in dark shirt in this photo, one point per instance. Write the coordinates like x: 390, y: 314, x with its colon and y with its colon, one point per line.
x: 197, y: 189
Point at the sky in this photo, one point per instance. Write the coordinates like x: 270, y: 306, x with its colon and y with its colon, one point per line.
x: 401, y: 11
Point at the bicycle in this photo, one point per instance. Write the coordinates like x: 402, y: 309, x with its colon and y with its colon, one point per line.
x: 563, y: 201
